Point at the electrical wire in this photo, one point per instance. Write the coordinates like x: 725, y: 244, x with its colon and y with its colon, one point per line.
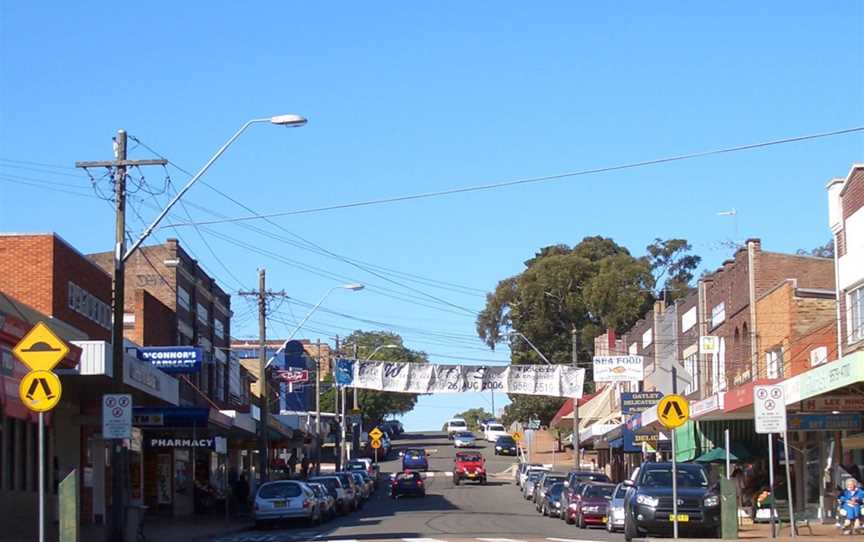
x: 531, y: 180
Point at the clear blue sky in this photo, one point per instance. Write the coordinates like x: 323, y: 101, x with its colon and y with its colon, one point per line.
x: 407, y: 98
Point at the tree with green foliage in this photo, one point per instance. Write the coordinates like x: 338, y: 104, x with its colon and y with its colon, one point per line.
x: 586, y: 289
x: 375, y: 405
x: 473, y: 417
x: 823, y: 251
x: 672, y: 267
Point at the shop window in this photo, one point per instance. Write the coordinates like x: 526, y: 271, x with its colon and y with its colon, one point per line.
x: 774, y: 363
x: 691, y: 364
x: 856, y: 314
x: 818, y: 356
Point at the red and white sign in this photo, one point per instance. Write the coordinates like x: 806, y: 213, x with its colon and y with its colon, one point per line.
x: 293, y: 376
x: 769, y: 406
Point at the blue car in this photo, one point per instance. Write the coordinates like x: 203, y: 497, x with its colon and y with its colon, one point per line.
x: 414, y: 459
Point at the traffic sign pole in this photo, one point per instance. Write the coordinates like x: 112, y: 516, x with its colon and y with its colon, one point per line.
x: 789, y: 485
x: 674, y: 489
x: 41, y: 477
x: 771, y: 480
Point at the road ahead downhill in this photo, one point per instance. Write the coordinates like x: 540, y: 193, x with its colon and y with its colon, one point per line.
x: 495, y: 512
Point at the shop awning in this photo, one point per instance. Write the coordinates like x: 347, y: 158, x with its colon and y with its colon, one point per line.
x: 718, y: 455
x: 826, y: 378
x: 685, y: 442
x: 595, y: 409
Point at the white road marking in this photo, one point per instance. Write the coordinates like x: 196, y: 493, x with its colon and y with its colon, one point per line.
x: 499, y: 540
x: 423, y: 540
x: 567, y: 540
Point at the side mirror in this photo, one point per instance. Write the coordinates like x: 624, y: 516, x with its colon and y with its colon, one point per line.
x: 628, y: 483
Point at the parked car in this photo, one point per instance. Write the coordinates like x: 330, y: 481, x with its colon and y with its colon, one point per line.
x: 352, y: 489
x: 370, y: 483
x: 469, y: 466
x: 575, y: 477
x: 593, y: 504
x: 532, y: 477
x: 285, y: 499
x: 464, y: 439
x: 543, y: 485
x: 344, y: 497
x: 414, y: 459
x: 456, y: 425
x: 360, y: 482
x: 495, y: 430
x: 522, y: 472
x: 364, y: 465
x: 407, y: 483
x: 326, y: 501
x: 648, y: 501
x: 506, y: 445
x: 615, y: 511
x: 552, y: 502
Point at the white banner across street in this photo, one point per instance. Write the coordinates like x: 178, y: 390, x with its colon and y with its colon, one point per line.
x: 403, y: 377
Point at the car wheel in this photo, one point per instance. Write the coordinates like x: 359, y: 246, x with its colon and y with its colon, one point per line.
x: 568, y: 518
x: 582, y: 522
x: 483, y: 481
x: 629, y: 530
x: 455, y: 480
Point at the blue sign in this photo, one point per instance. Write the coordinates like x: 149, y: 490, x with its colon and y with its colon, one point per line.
x: 170, y: 416
x: 635, y: 402
x: 344, y: 372
x: 824, y: 422
x: 173, y: 359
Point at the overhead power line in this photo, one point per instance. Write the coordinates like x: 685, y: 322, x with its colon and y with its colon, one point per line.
x: 526, y: 180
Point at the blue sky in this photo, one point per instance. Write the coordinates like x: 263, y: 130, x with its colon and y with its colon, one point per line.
x: 406, y: 98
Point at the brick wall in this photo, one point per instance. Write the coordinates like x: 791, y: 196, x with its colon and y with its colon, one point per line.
x: 155, y: 322
x: 37, y: 270
x: 853, y: 192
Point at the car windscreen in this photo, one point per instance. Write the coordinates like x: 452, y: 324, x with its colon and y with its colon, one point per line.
x: 464, y: 435
x: 549, y: 480
x: 598, y: 491
x: 469, y: 458
x: 533, y: 476
x: 620, y: 492
x: 556, y: 489
x: 495, y: 427
x: 329, y: 483
x: 356, y: 466
x: 280, y: 490
x: 688, y: 476
x: 458, y: 423
x: 505, y: 440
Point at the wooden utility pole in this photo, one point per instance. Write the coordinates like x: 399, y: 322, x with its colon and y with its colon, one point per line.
x: 119, y: 458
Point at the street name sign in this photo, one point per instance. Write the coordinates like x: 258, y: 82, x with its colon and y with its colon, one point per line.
x: 117, y: 416
x: 673, y: 411
x: 40, y: 349
x: 769, y: 405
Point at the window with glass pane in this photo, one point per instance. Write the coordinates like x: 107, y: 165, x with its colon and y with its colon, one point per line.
x: 856, y: 314
x: 691, y: 364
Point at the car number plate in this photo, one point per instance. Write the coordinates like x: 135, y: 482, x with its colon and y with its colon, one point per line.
x: 278, y: 504
x: 471, y: 475
x: 681, y: 517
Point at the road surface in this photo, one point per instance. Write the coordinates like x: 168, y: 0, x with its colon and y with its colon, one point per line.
x: 495, y: 512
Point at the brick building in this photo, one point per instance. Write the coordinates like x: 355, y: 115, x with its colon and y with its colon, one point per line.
x: 845, y: 200
x: 55, y: 279
x: 730, y: 295
x: 175, y: 283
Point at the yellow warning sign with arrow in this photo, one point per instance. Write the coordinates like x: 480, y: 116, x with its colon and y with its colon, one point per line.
x: 673, y: 411
x: 40, y: 349
x: 40, y: 391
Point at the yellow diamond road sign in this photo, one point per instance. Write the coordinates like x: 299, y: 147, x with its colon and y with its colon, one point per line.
x: 40, y: 390
x: 517, y: 436
x: 40, y: 349
x: 673, y: 411
x: 375, y: 434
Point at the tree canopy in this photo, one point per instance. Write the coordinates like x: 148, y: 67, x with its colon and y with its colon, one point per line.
x: 473, y: 417
x: 375, y: 405
x: 582, y: 291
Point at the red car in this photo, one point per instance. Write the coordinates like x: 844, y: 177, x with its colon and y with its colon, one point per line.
x: 469, y: 466
x: 591, y: 504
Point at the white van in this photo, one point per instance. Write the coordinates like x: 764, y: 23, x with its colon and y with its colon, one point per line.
x: 494, y: 430
x: 456, y: 425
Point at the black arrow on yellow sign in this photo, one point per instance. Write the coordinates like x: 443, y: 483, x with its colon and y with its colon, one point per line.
x: 670, y: 405
x: 39, y: 382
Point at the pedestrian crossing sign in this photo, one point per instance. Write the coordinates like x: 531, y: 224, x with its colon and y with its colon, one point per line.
x: 40, y: 390
x: 673, y: 411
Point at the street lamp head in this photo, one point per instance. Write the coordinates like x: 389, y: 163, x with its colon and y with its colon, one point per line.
x: 354, y: 286
x: 290, y: 120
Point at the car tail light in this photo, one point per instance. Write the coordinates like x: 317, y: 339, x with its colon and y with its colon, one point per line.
x: 419, y: 482
x: 307, y: 503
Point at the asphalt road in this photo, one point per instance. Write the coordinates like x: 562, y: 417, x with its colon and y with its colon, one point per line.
x: 495, y: 512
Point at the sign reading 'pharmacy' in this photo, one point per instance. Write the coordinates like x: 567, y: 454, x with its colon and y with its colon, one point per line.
x: 173, y: 359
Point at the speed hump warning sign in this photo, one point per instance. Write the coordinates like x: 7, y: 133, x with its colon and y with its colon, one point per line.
x: 40, y: 390
x: 673, y: 411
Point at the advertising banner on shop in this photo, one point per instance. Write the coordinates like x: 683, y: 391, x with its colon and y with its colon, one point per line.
x: 619, y: 368
x: 403, y: 377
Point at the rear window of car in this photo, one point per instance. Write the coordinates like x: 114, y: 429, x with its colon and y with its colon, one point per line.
x: 280, y: 490
x: 415, y: 454
x: 598, y: 491
x: 457, y: 423
x: 407, y: 476
x: 346, y: 479
x: 495, y: 427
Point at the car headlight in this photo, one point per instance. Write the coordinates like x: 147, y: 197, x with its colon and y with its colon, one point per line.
x: 618, y: 513
x: 497, y: 447
x: 557, y: 504
x: 710, y: 502
x: 647, y: 500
